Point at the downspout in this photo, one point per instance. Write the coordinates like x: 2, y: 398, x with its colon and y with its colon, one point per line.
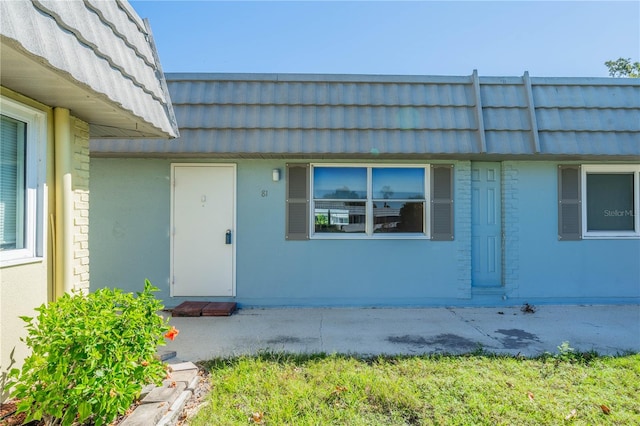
x: 64, y: 202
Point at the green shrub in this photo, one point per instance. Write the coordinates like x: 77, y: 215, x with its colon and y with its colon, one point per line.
x: 91, y: 356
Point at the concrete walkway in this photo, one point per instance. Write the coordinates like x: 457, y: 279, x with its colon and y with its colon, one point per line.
x: 606, y: 329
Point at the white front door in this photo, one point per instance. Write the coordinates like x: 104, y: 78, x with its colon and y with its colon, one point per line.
x: 203, y: 229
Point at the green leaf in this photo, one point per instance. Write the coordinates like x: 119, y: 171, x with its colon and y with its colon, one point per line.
x: 84, y: 411
x: 84, y: 347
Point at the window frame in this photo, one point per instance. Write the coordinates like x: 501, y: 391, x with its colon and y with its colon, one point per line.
x: 35, y: 182
x: 611, y: 169
x: 369, y: 233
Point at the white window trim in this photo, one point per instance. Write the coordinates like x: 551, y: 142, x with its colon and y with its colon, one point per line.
x: 35, y: 183
x: 369, y: 234
x: 611, y: 168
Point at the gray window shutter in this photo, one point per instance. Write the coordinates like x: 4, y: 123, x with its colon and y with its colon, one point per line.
x: 442, y: 202
x: 569, y: 203
x: 297, y: 202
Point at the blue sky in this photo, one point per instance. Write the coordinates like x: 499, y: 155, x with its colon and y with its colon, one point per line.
x: 498, y: 38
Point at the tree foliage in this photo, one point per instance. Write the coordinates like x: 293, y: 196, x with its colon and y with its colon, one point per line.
x: 623, y: 67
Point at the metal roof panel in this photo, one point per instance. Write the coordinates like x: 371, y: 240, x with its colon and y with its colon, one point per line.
x: 591, y: 119
x: 254, y: 115
x: 321, y: 93
x: 503, y: 96
x: 591, y: 143
x: 512, y: 142
x: 270, y: 116
x: 299, y: 141
x: 587, y: 96
x: 506, y: 119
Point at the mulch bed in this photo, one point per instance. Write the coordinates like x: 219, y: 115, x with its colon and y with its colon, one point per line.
x: 8, y: 416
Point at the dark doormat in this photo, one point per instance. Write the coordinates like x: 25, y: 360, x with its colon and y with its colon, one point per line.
x: 206, y: 309
x: 219, y: 309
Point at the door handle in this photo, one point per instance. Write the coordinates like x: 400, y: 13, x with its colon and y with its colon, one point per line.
x: 227, y: 237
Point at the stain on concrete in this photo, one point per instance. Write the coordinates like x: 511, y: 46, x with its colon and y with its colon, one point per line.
x: 447, y: 342
x: 408, y: 340
x: 454, y: 341
x: 284, y: 340
x: 515, y: 338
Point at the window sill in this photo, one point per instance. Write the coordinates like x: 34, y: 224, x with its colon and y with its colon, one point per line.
x: 611, y: 237
x: 369, y: 237
x: 22, y: 261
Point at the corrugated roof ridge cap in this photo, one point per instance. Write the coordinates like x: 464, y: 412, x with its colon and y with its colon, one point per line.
x: 319, y: 78
x: 395, y: 78
x: 585, y: 81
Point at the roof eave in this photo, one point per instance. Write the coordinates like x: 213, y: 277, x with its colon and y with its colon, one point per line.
x: 34, y: 77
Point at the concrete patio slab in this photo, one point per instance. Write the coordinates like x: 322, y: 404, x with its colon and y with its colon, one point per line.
x: 606, y: 329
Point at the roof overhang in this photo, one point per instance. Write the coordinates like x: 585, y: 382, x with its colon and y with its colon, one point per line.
x: 31, y: 76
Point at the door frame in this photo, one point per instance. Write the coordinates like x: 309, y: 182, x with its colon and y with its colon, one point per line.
x: 234, y: 240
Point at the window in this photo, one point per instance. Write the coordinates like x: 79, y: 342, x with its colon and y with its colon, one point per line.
x: 369, y: 201
x: 22, y: 152
x: 363, y: 201
x: 12, y: 153
x: 610, y: 197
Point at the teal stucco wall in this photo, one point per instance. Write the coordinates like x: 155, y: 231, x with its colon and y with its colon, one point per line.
x: 130, y: 241
x: 543, y: 268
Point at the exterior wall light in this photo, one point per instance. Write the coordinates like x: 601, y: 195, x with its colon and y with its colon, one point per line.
x: 275, y: 175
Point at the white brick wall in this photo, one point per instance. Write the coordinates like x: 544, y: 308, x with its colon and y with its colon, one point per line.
x: 81, y: 205
x: 462, y: 200
x: 510, y: 226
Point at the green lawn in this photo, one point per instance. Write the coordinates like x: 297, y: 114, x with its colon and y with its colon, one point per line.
x: 281, y: 389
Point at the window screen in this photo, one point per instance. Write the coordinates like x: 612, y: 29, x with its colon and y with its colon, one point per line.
x: 610, y: 202
x: 12, y: 181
